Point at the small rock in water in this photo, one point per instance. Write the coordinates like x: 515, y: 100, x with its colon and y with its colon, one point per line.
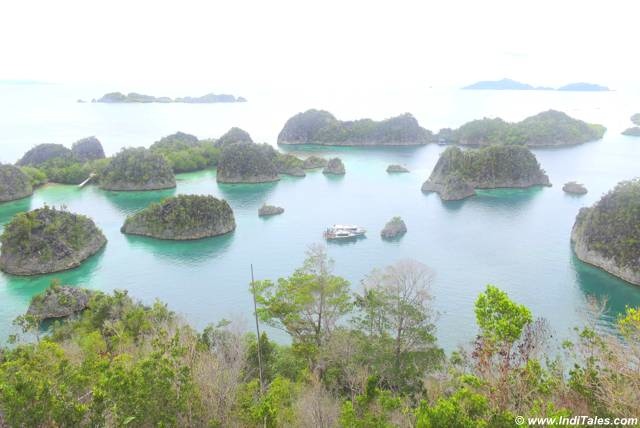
x: 394, y: 228
x: 59, y: 302
x: 396, y: 168
x: 335, y: 167
x: 574, y: 188
x: 269, y: 210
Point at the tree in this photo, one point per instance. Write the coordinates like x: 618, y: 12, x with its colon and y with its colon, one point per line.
x: 308, y: 304
x: 398, y: 318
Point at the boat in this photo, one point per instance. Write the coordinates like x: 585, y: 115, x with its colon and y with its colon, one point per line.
x: 343, y: 231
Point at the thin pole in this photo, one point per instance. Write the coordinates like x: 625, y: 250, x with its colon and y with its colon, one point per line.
x: 255, y: 312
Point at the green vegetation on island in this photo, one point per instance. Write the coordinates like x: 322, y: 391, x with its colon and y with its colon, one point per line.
x: 137, y: 169
x: 607, y: 235
x: 269, y: 210
x: 133, y: 97
x: 549, y: 128
x: 58, y: 301
x: 234, y: 135
x: 395, y: 169
x: 14, y: 183
x: 183, y: 217
x: 48, y: 240
x: 314, y: 162
x: 58, y: 164
x: 363, y: 359
x: 185, y: 153
x: 395, y: 228
x: 245, y: 162
x: 458, y: 172
x: 321, y: 127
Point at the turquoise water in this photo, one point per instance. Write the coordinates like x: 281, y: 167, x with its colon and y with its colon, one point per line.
x: 516, y: 239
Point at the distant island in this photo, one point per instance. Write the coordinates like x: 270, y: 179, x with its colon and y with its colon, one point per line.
x: 322, y: 128
x: 549, y: 128
x: 133, y: 97
x: 459, y: 172
x: 184, y: 217
x: 514, y: 85
x: 606, y: 235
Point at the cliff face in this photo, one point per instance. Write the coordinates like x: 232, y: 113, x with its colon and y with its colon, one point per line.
x: 137, y: 169
x: 88, y: 149
x: 234, y: 135
x: 184, y: 217
x: 247, y: 163
x: 47, y: 240
x: 14, y: 184
x: 321, y: 127
x: 607, y: 235
x: 457, y: 173
x: 334, y: 167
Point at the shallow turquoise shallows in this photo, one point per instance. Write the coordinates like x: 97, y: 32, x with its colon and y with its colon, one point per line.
x: 515, y: 239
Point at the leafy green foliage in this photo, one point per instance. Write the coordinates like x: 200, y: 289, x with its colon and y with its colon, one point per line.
x: 185, y: 153
x: 499, y: 318
x: 247, y: 162
x: 36, y: 176
x: 137, y: 168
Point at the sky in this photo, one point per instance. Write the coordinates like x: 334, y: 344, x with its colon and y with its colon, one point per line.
x: 242, y: 44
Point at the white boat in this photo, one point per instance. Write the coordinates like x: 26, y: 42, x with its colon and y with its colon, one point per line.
x: 344, y: 231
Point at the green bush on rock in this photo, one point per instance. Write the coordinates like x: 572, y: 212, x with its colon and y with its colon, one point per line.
x: 137, y: 169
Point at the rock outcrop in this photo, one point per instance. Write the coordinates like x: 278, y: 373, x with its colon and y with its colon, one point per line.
x: 48, y: 240
x: 334, y: 167
x: 458, y: 173
x: 88, y: 149
x: 607, y: 235
x: 59, y: 302
x: 43, y: 153
x: 321, y: 127
x: 392, y: 169
x: 290, y: 165
x: 247, y: 163
x: 636, y: 119
x: 574, y: 188
x: 14, y: 184
x: 137, y: 169
x: 184, y: 217
x: 269, y: 210
x: 394, y: 228
x: 314, y: 162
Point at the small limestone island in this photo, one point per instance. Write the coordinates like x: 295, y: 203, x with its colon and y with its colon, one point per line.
x: 58, y: 164
x: 48, y: 240
x: 186, y: 153
x: 14, y: 184
x: 322, y: 128
x: 247, y: 162
x: 514, y: 85
x: 269, y: 210
x: 607, y: 235
x: 182, y: 218
x: 636, y: 119
x: 133, y: 97
x: 549, y: 128
x: 334, y: 167
x: 459, y: 172
x: 137, y: 169
x: 394, y: 229
x: 396, y: 169
x: 574, y: 188
x: 314, y: 162
x: 59, y: 301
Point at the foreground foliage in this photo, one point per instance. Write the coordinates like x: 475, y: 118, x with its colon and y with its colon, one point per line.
x: 356, y: 360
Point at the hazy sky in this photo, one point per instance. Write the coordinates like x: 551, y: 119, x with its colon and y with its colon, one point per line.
x: 287, y: 44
